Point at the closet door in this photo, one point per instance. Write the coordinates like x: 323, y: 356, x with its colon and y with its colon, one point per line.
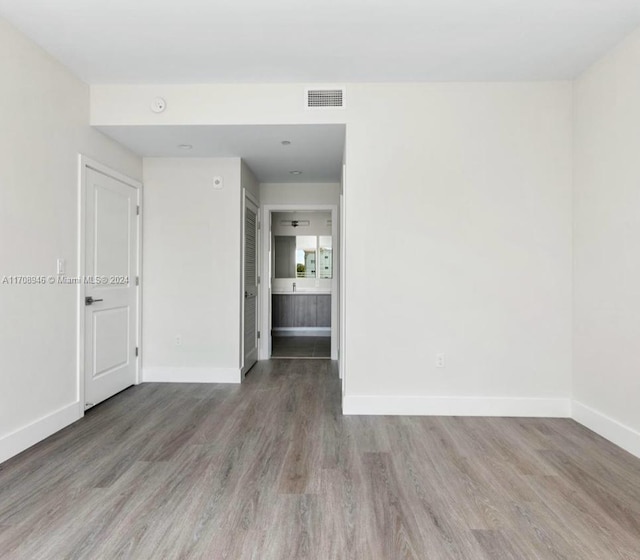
x: 250, y: 287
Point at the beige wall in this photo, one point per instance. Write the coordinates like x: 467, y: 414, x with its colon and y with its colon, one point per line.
x: 249, y: 182
x: 300, y: 193
x: 458, y: 203
x: 191, y: 270
x: 44, y: 124
x: 606, y: 380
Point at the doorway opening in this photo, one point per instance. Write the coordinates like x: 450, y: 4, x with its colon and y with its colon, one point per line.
x: 301, y: 275
x: 300, y: 252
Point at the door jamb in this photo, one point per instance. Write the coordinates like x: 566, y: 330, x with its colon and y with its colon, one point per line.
x: 85, y: 163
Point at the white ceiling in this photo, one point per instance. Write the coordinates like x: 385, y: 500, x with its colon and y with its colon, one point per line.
x: 206, y: 41
x: 316, y: 150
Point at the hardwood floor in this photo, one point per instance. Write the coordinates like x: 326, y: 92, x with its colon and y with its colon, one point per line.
x: 271, y: 470
x: 301, y: 347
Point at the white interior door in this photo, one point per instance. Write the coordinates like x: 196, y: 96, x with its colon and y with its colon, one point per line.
x: 250, y: 285
x: 111, y: 295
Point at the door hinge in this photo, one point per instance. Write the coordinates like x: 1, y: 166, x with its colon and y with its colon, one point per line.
x: 258, y: 280
x: 138, y: 210
x: 259, y: 225
x: 258, y: 334
x: 137, y: 280
x: 137, y: 351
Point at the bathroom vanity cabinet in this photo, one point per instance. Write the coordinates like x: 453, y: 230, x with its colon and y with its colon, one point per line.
x: 298, y: 310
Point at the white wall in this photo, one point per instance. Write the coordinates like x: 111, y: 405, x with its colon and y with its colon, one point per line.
x: 205, y: 104
x: 249, y: 182
x: 191, y: 270
x: 465, y: 190
x: 300, y: 193
x: 606, y: 380
x: 44, y: 116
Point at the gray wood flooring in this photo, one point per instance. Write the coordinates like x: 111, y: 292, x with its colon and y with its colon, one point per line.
x: 270, y: 470
x: 301, y: 346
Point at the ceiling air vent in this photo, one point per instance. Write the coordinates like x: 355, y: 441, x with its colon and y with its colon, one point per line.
x: 324, y: 98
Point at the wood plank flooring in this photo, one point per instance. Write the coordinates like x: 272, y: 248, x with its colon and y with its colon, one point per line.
x: 301, y: 347
x: 271, y: 470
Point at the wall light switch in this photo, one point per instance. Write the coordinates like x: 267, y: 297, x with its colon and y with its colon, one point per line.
x: 60, y: 266
x: 218, y: 183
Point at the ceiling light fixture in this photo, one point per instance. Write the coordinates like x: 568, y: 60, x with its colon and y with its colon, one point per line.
x: 294, y: 223
x: 295, y: 172
x: 185, y: 146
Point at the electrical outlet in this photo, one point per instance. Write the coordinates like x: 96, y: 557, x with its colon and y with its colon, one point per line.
x: 178, y: 340
x: 440, y: 360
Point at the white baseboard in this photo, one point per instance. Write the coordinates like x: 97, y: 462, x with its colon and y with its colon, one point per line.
x: 616, y: 432
x: 191, y: 375
x: 23, y: 438
x: 456, y: 406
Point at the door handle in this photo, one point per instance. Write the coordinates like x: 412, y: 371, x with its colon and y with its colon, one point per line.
x: 90, y: 301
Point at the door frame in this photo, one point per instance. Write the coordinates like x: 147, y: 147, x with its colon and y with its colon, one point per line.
x: 246, y: 195
x: 264, y: 344
x: 85, y: 163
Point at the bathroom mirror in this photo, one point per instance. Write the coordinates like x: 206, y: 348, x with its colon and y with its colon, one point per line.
x: 325, y: 257
x: 303, y: 256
